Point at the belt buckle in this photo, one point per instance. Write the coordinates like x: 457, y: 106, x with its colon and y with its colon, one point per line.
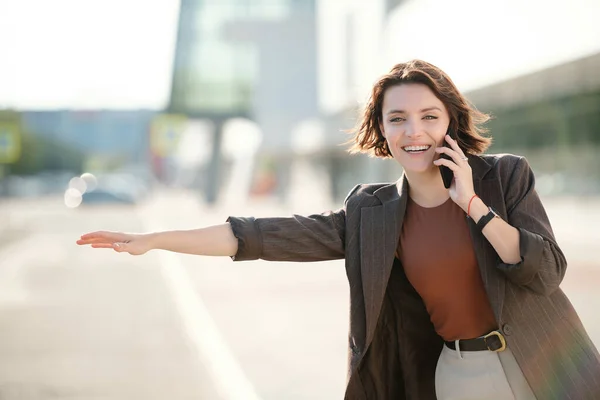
x: 502, y: 341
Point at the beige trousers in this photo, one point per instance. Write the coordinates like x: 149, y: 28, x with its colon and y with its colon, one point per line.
x: 480, y: 375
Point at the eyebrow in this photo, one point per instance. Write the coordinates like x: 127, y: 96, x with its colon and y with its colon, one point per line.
x: 422, y: 111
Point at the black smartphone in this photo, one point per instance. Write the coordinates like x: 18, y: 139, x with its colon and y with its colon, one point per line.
x: 447, y: 174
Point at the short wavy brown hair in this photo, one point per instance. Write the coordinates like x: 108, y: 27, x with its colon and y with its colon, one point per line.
x: 464, y: 118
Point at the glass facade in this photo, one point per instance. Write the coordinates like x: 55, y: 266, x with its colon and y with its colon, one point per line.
x: 214, y: 73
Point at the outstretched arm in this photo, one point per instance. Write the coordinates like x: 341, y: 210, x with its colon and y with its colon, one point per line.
x: 216, y: 240
x: 316, y: 237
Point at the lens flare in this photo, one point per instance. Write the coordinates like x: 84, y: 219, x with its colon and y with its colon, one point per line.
x: 73, y: 198
x: 90, y: 180
x: 78, y: 184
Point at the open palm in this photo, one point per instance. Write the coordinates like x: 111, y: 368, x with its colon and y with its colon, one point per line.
x: 135, y: 244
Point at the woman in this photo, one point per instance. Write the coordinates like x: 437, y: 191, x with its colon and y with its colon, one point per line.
x: 454, y: 292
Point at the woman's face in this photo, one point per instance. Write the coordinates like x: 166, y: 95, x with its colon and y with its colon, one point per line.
x: 415, y: 122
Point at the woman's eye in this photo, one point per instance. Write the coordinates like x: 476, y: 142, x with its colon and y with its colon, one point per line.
x: 396, y: 119
x: 430, y: 117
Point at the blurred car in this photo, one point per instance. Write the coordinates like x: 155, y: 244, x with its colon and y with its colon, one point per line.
x: 102, y: 195
x: 116, y: 188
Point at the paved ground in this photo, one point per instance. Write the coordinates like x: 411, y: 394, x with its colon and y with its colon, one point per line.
x: 79, y: 323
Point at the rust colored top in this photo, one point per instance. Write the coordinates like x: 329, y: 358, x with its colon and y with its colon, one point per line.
x: 437, y: 254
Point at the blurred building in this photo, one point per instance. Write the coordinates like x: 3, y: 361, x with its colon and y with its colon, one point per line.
x: 551, y: 116
x: 104, y: 136
x: 57, y: 145
x: 242, y: 58
x: 235, y: 57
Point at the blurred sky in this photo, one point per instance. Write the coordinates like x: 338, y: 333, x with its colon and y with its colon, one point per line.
x: 119, y: 53
x: 86, y: 53
x: 483, y: 42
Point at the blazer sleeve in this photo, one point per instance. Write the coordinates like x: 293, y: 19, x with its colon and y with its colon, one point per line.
x: 543, y: 264
x: 317, y: 237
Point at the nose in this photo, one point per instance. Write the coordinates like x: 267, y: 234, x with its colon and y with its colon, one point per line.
x: 413, y: 128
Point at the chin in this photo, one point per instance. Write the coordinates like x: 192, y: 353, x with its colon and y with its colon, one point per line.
x: 419, y: 168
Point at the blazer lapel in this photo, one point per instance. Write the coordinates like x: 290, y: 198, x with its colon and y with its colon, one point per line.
x: 380, y: 224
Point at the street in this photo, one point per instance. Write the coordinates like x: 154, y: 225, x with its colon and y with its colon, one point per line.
x: 81, y: 323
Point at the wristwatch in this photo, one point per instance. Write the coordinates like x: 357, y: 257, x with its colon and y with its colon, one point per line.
x: 483, y: 221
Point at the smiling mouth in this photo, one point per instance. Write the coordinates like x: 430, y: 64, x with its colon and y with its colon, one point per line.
x: 415, y: 149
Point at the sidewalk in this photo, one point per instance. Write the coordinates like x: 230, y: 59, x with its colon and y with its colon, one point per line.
x: 11, y: 228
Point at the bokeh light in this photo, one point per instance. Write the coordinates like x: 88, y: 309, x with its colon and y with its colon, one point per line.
x: 73, y: 198
x: 78, y: 184
x: 90, y: 180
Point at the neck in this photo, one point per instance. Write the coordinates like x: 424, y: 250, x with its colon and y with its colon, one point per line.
x: 427, y: 188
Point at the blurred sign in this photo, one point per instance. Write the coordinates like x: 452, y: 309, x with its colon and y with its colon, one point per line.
x: 10, y: 142
x: 166, y: 131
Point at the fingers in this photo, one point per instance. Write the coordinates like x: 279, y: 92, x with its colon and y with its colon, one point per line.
x: 118, y: 247
x: 93, y: 241
x: 454, y: 144
x: 455, y: 152
x: 119, y: 242
x: 102, y: 245
x: 442, y: 161
x: 94, y: 235
x: 109, y: 236
x: 102, y: 237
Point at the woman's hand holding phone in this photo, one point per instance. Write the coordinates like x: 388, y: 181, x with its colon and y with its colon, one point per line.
x: 452, y: 157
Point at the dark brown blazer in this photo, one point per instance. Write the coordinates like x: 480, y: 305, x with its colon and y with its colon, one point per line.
x: 392, y: 352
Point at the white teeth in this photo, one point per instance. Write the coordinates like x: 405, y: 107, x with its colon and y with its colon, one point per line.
x: 416, y: 148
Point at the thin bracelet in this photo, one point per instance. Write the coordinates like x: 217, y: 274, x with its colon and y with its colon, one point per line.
x: 469, y: 207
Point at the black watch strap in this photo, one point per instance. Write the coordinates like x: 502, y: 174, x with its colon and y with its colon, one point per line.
x: 483, y: 221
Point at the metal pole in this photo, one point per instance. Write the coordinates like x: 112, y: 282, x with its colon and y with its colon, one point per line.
x: 214, y: 167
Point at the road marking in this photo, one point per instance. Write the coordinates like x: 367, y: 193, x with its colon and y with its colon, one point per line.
x: 227, y: 374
